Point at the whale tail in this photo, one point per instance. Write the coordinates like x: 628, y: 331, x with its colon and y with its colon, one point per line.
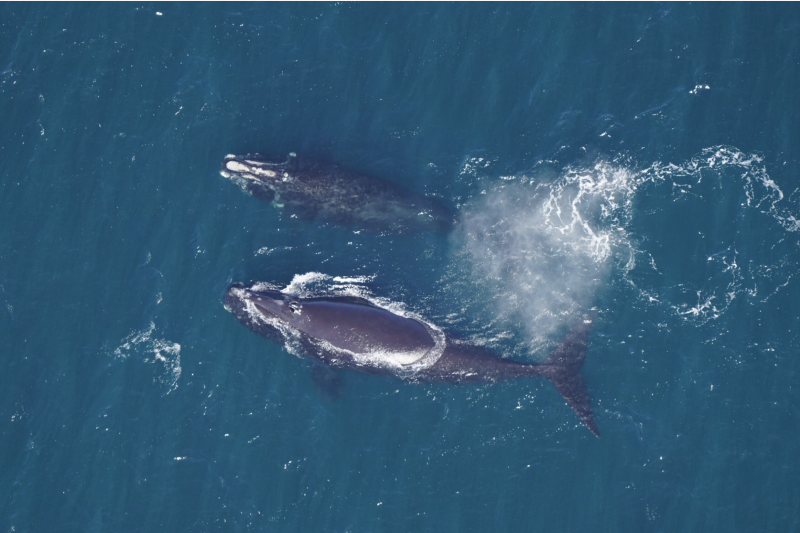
x: 563, y: 369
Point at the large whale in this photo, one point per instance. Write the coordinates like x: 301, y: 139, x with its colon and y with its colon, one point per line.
x: 323, y: 191
x: 350, y: 333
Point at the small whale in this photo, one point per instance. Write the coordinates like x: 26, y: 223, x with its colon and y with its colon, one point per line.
x: 323, y: 191
x: 350, y: 333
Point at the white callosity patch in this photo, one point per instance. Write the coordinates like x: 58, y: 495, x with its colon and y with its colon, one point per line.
x: 236, y: 170
x: 235, y: 166
x: 163, y: 353
x: 252, y: 168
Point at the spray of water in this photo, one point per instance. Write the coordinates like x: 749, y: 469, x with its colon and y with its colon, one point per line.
x: 542, y: 248
x: 689, y: 237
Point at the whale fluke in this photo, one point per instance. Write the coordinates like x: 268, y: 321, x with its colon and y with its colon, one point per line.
x: 563, y: 369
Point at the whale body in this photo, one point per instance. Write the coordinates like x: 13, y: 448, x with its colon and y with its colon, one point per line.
x: 349, y: 333
x: 324, y: 191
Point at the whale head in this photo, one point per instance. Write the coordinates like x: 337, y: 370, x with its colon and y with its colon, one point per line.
x: 264, y: 310
x: 256, y: 168
x: 275, y: 305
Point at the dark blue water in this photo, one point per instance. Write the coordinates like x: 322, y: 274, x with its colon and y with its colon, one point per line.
x: 638, y: 159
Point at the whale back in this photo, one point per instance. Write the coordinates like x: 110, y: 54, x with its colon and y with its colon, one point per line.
x: 362, y: 328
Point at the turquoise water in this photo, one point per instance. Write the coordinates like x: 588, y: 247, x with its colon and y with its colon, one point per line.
x: 637, y: 159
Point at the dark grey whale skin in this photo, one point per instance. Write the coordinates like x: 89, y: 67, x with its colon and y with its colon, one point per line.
x: 356, y: 325
x: 327, y: 192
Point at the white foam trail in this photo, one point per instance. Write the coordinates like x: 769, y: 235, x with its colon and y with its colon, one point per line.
x: 749, y: 246
x: 157, y: 351
x: 266, y: 250
x: 313, y: 284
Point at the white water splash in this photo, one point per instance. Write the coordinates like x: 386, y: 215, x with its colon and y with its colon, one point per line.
x: 164, y: 354
x: 541, y: 246
x: 736, y: 228
x: 541, y: 249
x: 317, y: 284
x: 266, y: 250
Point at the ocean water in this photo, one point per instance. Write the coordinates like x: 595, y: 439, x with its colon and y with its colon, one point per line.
x: 638, y: 160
